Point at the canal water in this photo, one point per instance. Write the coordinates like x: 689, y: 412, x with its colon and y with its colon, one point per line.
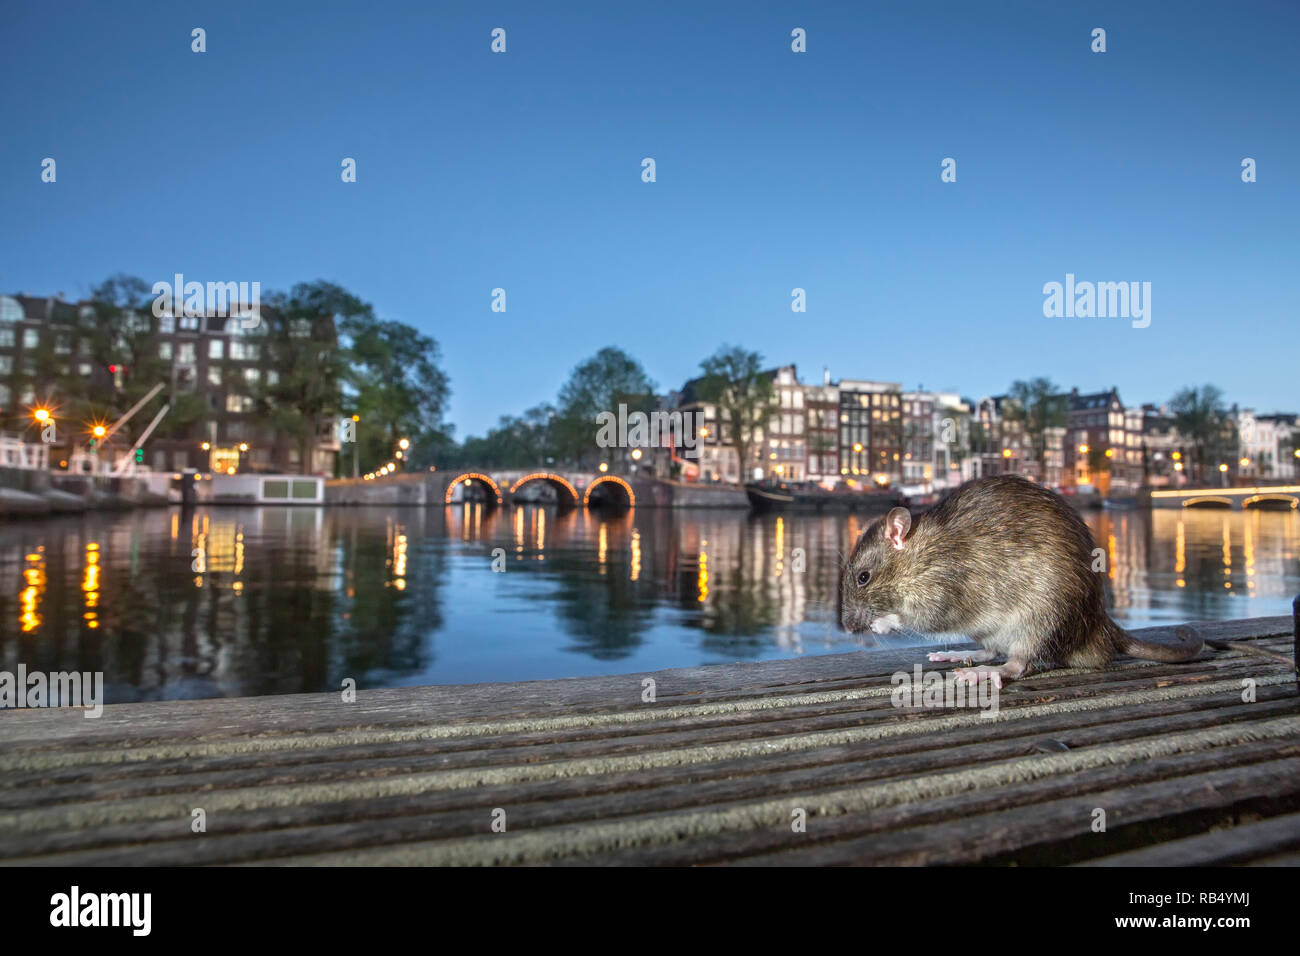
x: 271, y: 600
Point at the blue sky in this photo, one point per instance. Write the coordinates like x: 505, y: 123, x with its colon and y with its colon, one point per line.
x: 775, y: 170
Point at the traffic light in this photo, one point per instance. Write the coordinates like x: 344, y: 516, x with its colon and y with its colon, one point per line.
x: 139, y: 456
x: 93, y: 442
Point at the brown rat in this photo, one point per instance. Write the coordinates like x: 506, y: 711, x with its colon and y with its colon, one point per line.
x: 1003, y: 561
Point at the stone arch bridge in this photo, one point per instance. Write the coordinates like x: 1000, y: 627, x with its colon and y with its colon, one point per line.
x: 571, y: 489
x: 499, y: 487
x: 1264, y: 497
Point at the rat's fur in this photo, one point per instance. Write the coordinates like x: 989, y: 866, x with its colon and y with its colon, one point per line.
x: 1002, y: 560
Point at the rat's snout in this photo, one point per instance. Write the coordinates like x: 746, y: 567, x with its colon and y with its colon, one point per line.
x: 855, y: 620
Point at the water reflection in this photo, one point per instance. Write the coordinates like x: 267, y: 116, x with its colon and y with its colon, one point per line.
x: 223, y: 602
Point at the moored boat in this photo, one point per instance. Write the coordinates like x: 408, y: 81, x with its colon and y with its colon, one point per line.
x: 768, y: 496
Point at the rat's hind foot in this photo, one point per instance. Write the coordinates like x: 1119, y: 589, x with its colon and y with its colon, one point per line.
x: 1000, y: 675
x: 958, y: 656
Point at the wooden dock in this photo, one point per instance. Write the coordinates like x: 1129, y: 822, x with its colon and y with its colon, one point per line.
x: 720, y: 768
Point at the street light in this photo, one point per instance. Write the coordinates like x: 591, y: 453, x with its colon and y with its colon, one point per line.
x: 98, y: 431
x: 403, y: 444
x: 636, y: 454
x: 1083, y: 449
x: 356, y: 468
x: 206, y: 446
x: 42, y: 415
x: 604, y: 466
x: 243, y: 446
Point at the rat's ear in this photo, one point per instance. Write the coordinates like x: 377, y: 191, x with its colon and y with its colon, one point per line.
x: 897, y: 523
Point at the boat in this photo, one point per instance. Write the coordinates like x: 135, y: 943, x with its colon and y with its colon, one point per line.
x: 788, y: 496
x: 1083, y: 497
x: 1119, y: 502
x: 248, y: 488
x: 769, y: 497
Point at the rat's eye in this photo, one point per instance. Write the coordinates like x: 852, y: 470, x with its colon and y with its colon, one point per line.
x: 863, y: 578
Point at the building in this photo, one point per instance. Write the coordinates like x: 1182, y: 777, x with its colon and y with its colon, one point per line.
x: 919, y: 439
x: 952, y: 414
x: 822, y: 412
x: 1000, y: 444
x: 712, y: 458
x: 871, y: 431
x: 1134, y: 454
x: 1099, y: 442
x: 217, y: 374
x: 935, y: 435
x: 1163, y: 464
x: 784, y: 453
x: 1267, y: 445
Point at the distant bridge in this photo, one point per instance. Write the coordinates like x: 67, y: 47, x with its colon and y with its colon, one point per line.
x: 1273, y: 497
x: 572, y: 488
x: 495, y: 487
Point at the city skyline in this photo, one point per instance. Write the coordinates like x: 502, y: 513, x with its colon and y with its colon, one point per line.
x: 665, y: 389
x: 776, y: 171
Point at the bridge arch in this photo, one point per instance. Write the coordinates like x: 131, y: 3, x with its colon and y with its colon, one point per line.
x: 561, y: 485
x: 472, y: 477
x: 614, y: 481
x: 1208, y: 501
x: 1271, y: 500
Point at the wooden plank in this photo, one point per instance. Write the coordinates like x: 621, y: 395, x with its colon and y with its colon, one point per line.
x: 981, y: 837
x: 773, y: 813
x: 1240, y: 844
x: 1005, y: 738
x: 589, y: 773
x: 228, y: 837
x: 299, y: 713
x: 31, y: 766
x: 47, y: 769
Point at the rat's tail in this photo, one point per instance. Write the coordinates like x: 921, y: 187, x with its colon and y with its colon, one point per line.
x: 1189, y: 646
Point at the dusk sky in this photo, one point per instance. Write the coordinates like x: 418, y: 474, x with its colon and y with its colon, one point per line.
x: 775, y: 170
